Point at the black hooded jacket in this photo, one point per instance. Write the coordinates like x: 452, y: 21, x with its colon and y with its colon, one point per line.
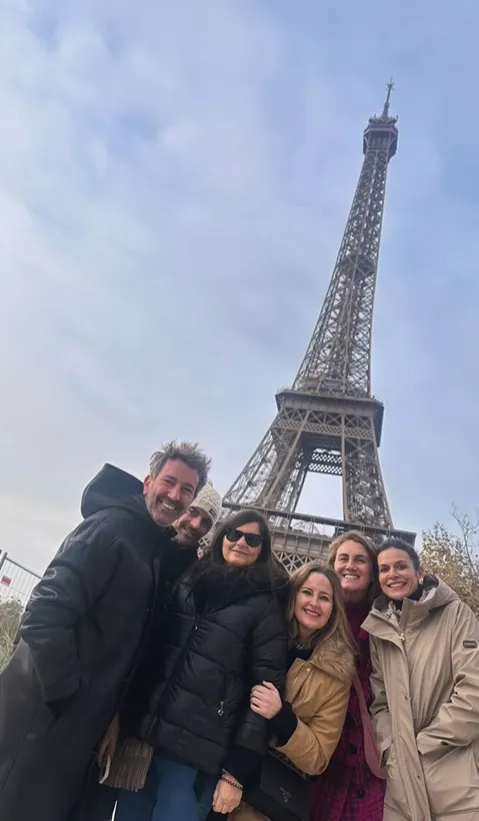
x: 82, y: 634
x: 224, y: 632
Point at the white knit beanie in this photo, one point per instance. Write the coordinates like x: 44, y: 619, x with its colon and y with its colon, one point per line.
x: 209, y: 501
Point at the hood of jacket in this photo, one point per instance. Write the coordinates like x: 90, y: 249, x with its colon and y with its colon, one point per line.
x: 437, y: 596
x: 113, y: 487
x: 334, y: 659
x: 438, y: 593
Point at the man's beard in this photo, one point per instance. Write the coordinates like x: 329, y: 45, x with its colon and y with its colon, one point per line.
x: 162, y: 515
x: 187, y: 538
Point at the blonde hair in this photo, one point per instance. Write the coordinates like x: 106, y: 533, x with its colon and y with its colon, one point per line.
x: 371, y: 550
x: 337, y: 625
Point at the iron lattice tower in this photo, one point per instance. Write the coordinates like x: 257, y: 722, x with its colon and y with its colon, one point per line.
x: 329, y: 422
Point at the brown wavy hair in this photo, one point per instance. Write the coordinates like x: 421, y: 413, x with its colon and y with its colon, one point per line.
x: 337, y: 625
x: 371, y: 550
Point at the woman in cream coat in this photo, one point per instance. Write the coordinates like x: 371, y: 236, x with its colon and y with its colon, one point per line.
x: 307, y: 726
x: 425, y: 680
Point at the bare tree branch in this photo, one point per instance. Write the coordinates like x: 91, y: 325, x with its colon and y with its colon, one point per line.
x: 455, y: 557
x: 469, y: 534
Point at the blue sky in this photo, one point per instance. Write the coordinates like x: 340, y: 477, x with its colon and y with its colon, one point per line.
x: 175, y: 179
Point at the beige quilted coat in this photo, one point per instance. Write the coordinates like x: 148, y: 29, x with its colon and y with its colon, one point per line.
x: 426, y: 708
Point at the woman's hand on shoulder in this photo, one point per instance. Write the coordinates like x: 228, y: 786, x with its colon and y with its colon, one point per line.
x: 227, y: 796
x: 265, y: 700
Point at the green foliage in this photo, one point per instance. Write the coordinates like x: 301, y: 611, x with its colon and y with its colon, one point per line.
x: 454, y: 557
x: 10, y: 614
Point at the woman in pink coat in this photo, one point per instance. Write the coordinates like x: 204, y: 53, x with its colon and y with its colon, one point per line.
x: 348, y: 790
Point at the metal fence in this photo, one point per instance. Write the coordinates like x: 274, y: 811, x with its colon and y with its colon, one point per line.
x: 16, y: 581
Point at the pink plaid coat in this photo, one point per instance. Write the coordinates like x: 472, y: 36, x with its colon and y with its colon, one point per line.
x: 348, y: 791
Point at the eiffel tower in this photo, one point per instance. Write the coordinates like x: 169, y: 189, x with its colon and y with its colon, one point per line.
x: 328, y: 421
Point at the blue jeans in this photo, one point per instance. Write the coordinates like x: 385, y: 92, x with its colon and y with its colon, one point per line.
x: 169, y: 794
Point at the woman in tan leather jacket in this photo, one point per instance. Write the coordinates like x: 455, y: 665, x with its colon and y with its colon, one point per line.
x: 308, y: 724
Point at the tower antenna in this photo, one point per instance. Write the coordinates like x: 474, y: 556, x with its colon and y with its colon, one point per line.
x: 390, y: 87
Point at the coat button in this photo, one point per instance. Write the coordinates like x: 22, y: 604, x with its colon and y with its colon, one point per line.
x: 361, y: 793
x: 353, y: 749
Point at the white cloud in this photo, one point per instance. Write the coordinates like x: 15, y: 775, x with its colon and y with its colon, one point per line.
x: 173, y: 187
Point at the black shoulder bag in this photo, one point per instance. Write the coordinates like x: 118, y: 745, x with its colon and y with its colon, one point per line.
x: 282, y: 794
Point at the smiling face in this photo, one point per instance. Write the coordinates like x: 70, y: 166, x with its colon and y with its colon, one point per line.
x: 398, y: 577
x: 353, y: 566
x: 192, y: 526
x: 314, y: 605
x: 168, y: 495
x: 242, y: 545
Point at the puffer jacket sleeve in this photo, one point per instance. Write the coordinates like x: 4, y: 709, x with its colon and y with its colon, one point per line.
x: 268, y: 663
x: 72, y: 583
x: 312, y: 745
x: 457, y: 722
x: 380, y: 708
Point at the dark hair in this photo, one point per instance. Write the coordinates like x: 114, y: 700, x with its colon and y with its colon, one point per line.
x: 370, y: 548
x: 391, y: 542
x: 186, y: 452
x: 244, y: 517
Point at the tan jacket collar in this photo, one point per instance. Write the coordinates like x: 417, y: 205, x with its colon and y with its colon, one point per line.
x: 332, y: 658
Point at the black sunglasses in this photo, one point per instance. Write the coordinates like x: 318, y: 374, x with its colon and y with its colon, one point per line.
x: 251, y: 539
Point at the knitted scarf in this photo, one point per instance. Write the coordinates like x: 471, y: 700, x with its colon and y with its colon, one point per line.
x: 130, y: 765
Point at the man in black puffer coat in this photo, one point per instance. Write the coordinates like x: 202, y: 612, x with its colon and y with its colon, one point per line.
x: 84, y: 629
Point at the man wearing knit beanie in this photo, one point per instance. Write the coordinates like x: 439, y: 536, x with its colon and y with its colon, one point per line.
x: 200, y: 517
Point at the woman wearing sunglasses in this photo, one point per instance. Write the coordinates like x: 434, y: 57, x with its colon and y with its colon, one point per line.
x: 197, y: 740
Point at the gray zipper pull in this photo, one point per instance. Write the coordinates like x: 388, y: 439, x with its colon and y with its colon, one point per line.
x: 221, y: 710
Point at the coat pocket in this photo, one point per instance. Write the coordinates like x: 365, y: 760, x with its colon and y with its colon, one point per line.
x: 395, y: 798
x: 226, y: 705
x: 222, y: 700
x: 74, y: 708
x: 452, y: 780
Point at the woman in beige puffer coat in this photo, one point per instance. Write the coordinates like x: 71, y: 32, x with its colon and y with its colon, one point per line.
x: 424, y: 648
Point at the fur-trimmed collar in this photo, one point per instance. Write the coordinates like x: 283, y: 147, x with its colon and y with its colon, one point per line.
x: 334, y: 659
x: 216, y: 586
